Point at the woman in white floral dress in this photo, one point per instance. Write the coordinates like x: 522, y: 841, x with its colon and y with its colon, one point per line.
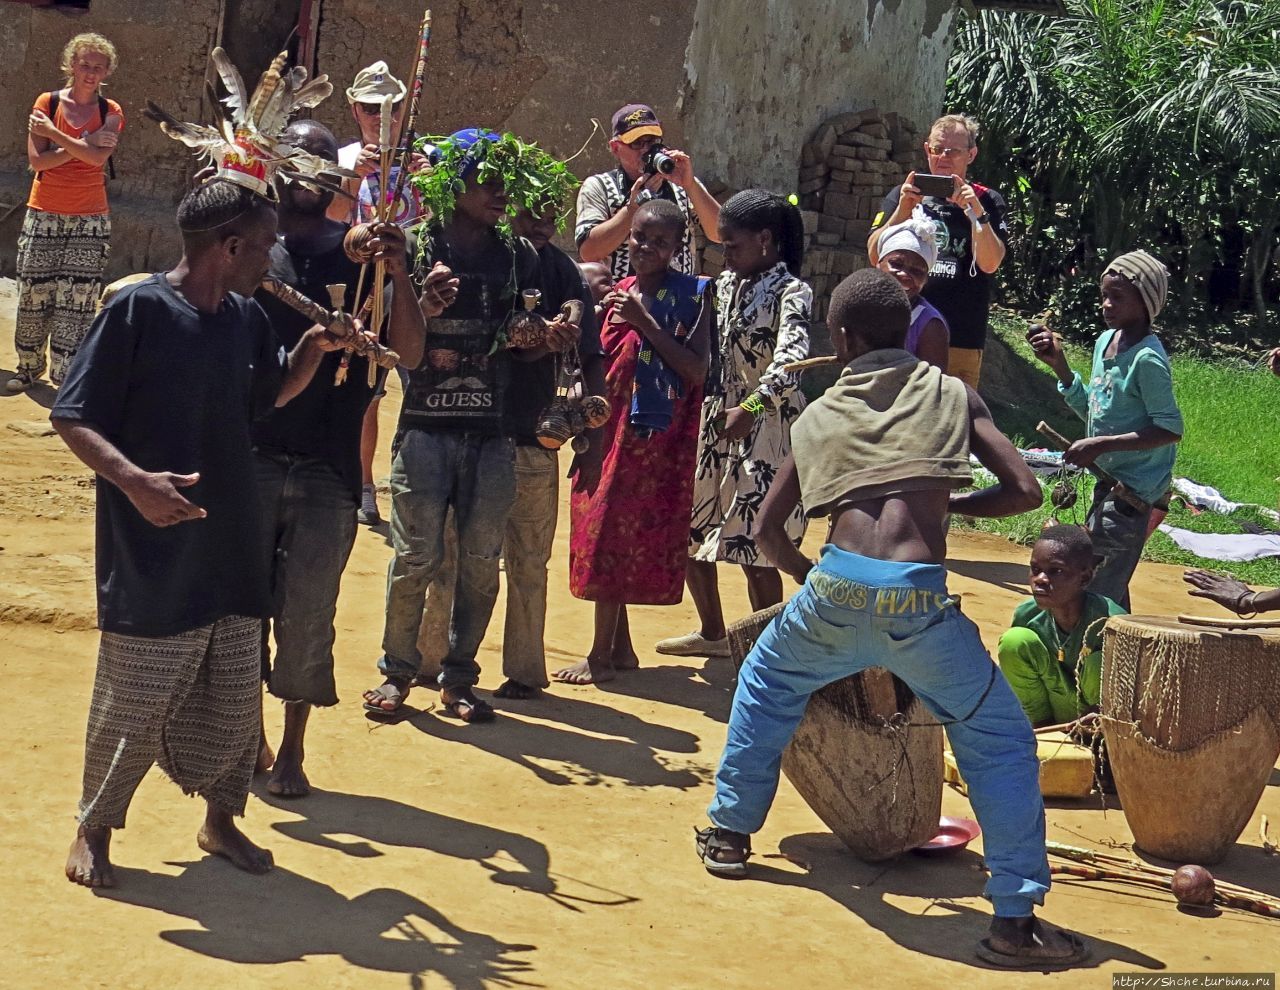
x: 763, y: 311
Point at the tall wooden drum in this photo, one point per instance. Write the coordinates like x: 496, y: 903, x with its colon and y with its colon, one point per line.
x: 878, y: 788
x: 1191, y: 716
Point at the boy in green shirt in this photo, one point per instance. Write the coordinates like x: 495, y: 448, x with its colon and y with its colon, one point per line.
x: 1052, y: 657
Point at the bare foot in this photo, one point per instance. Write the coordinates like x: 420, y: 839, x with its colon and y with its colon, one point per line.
x: 287, y: 779
x: 219, y: 836
x: 515, y: 691
x: 88, y: 862
x: 625, y: 660
x: 593, y: 670
x: 266, y: 758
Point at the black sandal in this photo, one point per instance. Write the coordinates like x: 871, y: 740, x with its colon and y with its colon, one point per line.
x: 723, y: 852
x: 393, y: 689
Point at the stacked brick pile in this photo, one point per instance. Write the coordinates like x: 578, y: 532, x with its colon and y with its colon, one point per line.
x: 846, y: 168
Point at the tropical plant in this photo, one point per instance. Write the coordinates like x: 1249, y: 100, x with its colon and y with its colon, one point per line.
x: 1131, y: 123
x: 532, y: 178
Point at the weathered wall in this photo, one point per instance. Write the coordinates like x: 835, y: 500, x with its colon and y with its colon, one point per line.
x: 762, y: 74
x: 741, y: 84
x: 163, y: 48
x: 540, y: 69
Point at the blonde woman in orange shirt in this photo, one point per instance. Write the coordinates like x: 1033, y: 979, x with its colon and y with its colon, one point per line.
x: 62, y: 249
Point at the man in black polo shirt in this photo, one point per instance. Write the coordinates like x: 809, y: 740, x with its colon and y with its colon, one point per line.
x: 608, y: 200
x: 307, y: 454
x: 971, y: 233
x: 159, y: 403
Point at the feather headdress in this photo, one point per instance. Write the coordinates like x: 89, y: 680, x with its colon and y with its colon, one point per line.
x: 246, y: 143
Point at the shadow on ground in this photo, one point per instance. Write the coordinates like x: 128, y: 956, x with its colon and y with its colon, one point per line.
x: 1010, y: 577
x: 560, y: 753
x: 284, y: 917
x: 945, y: 928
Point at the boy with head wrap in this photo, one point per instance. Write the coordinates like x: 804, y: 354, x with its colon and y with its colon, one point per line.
x: 1133, y: 420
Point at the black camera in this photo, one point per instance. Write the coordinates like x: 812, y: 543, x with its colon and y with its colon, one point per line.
x: 657, y: 160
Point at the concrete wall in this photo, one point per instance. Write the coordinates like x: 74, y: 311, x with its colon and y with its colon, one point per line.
x: 163, y: 48
x: 762, y: 74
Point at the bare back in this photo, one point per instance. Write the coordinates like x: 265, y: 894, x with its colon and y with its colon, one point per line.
x: 910, y: 528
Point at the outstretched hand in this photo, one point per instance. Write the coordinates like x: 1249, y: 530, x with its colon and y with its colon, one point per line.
x: 155, y: 495
x: 1220, y: 588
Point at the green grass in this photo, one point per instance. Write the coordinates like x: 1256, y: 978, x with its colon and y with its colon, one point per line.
x: 1231, y: 412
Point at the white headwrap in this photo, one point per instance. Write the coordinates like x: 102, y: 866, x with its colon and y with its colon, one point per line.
x: 915, y: 234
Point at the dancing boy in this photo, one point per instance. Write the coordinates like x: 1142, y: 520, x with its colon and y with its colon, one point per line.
x: 159, y: 403
x: 880, y: 453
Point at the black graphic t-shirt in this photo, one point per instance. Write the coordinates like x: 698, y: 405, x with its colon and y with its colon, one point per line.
x: 959, y: 289
x: 459, y: 385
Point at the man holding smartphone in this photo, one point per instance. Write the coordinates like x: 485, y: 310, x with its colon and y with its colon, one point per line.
x: 969, y: 220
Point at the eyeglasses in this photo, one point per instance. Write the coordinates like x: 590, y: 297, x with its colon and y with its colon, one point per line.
x: 938, y: 151
x: 372, y: 109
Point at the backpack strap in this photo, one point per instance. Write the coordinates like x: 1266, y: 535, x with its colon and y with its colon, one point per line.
x: 103, y: 110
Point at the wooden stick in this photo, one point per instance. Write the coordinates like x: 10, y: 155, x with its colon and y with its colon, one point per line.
x: 1120, y: 490
x: 813, y: 362
x: 383, y: 356
x: 409, y: 122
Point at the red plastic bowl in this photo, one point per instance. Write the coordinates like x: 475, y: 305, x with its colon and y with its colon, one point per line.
x: 952, y: 836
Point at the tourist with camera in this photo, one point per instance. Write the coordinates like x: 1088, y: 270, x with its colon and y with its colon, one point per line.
x: 647, y: 169
x: 969, y: 221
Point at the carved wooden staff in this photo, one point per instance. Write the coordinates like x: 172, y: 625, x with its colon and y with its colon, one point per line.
x: 409, y: 122
x: 335, y: 323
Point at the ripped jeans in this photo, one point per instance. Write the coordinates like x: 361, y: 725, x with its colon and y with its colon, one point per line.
x: 431, y: 472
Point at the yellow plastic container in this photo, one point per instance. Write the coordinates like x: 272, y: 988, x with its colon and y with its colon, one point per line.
x: 1066, y: 767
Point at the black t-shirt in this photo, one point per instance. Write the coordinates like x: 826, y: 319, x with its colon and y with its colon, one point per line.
x: 324, y: 421
x: 460, y: 383
x: 533, y: 383
x: 957, y: 286
x: 175, y: 390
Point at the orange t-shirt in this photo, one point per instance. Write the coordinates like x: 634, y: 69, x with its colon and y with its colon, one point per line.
x: 75, y: 188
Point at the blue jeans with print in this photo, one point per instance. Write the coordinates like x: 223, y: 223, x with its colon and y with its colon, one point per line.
x: 430, y: 473
x: 856, y: 612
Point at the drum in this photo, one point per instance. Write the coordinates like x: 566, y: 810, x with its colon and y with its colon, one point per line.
x: 1190, y: 714
x: 878, y: 788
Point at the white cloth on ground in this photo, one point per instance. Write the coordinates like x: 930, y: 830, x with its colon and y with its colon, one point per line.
x: 1224, y: 546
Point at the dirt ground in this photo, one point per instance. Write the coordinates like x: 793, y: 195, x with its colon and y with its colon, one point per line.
x: 550, y: 849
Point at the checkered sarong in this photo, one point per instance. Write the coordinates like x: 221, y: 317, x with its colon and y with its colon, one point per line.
x: 190, y: 702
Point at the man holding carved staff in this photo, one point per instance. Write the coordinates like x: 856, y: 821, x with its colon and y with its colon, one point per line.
x: 307, y: 455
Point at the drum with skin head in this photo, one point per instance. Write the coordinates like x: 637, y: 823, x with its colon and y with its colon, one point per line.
x: 1191, y: 716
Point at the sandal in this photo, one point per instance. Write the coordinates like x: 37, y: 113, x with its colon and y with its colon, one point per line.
x: 1040, y: 948
x: 470, y: 710
x: 723, y: 852
x: 393, y: 689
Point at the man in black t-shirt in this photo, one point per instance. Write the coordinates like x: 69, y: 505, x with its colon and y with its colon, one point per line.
x: 971, y: 232
x: 307, y: 454
x: 452, y: 451
x: 159, y: 403
x: 531, y: 525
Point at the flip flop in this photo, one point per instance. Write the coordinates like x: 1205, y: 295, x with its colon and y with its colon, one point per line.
x: 388, y: 690
x: 470, y: 711
x: 1034, y: 954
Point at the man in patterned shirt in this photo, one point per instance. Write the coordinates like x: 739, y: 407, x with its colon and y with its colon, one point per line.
x: 607, y: 201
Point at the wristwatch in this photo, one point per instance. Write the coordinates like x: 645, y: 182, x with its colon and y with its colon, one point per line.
x: 983, y: 220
